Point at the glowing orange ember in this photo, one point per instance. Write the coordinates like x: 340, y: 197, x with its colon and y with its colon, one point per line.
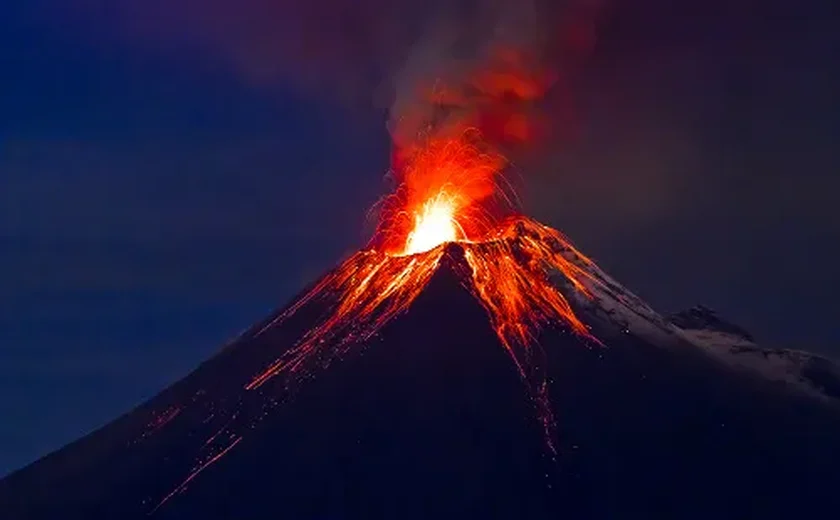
x: 434, y: 225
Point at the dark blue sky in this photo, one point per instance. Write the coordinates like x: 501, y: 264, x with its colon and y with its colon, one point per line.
x: 154, y: 200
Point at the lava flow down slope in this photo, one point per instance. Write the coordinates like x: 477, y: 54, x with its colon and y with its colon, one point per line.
x: 467, y: 364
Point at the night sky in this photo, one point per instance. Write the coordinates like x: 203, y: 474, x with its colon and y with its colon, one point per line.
x: 163, y: 185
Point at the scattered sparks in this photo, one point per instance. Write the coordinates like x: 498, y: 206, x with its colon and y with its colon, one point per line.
x: 198, y: 469
x: 160, y: 420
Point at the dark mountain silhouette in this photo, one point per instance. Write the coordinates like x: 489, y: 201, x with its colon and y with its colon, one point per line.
x: 432, y: 420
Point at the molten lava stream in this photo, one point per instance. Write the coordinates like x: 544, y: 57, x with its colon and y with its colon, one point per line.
x: 510, y: 277
x: 373, y: 287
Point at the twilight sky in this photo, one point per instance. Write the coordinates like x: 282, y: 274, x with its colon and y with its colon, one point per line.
x: 165, y: 180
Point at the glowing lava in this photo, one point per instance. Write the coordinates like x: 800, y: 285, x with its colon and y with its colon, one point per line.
x: 434, y: 225
x: 508, y: 265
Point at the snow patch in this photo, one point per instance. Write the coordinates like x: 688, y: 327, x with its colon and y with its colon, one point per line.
x: 806, y: 372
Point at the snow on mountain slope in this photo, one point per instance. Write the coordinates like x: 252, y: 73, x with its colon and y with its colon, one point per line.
x: 704, y: 329
x: 612, y: 301
x: 732, y: 345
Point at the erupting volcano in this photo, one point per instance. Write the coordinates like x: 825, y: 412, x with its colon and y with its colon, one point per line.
x: 468, y: 362
x: 413, y: 381
x: 509, y: 263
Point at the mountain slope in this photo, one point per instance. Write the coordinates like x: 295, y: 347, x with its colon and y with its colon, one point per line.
x: 431, y: 419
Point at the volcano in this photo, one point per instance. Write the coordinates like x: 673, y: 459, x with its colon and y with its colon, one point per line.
x: 508, y: 378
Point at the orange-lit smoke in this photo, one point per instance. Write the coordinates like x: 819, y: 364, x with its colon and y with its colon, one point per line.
x: 469, y: 96
x: 444, y: 186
